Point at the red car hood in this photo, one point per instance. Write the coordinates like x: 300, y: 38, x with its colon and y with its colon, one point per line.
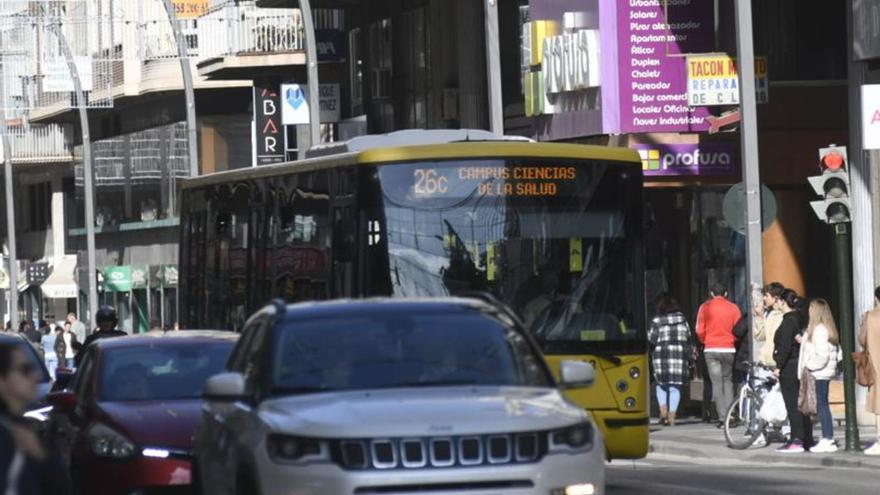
x: 168, y: 424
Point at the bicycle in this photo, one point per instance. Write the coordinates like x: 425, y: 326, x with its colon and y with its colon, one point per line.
x: 743, y: 424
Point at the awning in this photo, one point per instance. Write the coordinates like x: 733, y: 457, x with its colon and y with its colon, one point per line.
x: 61, y: 283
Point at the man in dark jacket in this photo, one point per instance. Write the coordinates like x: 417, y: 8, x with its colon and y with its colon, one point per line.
x: 107, y: 320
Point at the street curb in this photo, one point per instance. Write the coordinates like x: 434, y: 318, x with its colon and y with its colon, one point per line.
x: 840, y: 460
x: 676, y: 450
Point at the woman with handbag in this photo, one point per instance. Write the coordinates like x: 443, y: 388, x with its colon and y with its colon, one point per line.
x: 869, y: 339
x: 820, y: 353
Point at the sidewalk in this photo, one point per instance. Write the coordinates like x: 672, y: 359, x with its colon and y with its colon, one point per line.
x: 699, y: 440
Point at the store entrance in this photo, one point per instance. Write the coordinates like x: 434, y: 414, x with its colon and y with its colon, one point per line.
x: 689, y: 246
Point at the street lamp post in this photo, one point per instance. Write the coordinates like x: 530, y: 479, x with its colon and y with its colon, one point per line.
x: 188, y: 89
x: 10, y: 206
x: 88, y: 172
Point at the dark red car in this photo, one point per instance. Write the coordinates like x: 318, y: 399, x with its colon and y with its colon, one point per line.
x: 125, y: 423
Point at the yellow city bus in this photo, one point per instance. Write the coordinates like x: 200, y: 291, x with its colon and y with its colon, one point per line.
x: 552, y: 230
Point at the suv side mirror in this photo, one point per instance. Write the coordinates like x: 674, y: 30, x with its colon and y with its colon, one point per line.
x: 576, y: 374
x: 225, y: 387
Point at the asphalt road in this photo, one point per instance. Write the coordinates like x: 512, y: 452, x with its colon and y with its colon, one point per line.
x: 673, y: 475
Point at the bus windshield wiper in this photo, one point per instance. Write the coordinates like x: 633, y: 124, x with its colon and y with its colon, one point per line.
x: 616, y: 361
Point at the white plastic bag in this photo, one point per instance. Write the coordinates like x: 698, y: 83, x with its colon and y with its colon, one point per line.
x: 773, y: 410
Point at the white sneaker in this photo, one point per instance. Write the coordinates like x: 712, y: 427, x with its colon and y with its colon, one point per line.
x: 873, y: 449
x: 824, y: 446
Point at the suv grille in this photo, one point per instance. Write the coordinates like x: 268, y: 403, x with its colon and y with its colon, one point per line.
x: 439, y: 452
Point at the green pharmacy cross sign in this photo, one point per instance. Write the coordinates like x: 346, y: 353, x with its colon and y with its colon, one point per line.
x: 117, y: 279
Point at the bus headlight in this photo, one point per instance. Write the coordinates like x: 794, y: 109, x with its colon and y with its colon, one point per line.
x: 630, y: 402
x: 635, y: 373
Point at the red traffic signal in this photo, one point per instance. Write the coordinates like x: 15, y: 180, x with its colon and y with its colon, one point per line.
x: 833, y: 161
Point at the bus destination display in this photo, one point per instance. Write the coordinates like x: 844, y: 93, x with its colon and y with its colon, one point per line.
x: 492, y: 181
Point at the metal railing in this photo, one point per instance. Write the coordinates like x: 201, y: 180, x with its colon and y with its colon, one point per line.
x: 244, y: 29
x: 40, y: 144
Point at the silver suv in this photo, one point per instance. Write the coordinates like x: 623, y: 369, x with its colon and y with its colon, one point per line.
x: 397, y: 396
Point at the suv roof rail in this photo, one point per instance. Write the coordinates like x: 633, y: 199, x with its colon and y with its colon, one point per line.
x: 490, y: 299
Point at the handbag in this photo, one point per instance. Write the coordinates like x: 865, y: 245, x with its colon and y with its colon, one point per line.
x: 807, y: 396
x: 864, y: 368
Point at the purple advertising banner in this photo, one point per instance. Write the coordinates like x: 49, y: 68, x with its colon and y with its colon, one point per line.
x: 671, y: 160
x: 652, y: 74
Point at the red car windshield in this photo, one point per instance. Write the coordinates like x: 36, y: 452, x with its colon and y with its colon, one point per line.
x: 160, y: 372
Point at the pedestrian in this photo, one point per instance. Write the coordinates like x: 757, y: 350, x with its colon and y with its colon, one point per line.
x: 26, y: 466
x: 670, y: 338
x: 50, y: 358
x: 65, y: 342
x: 742, y: 358
x: 766, y: 322
x: 715, y: 321
x: 77, y: 327
x: 26, y: 328
x: 786, y: 353
x: 869, y: 339
x: 820, y: 353
x: 107, y: 320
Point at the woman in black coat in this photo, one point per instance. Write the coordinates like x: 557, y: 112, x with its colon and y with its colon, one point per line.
x: 786, y: 354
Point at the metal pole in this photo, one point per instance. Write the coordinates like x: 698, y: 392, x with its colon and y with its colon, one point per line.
x: 188, y: 90
x: 843, y: 268
x: 493, y: 68
x: 88, y: 173
x: 750, y: 161
x: 856, y: 294
x: 305, y: 8
x: 10, y: 207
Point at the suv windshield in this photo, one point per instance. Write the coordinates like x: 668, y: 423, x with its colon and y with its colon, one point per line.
x: 395, y: 349
x: 161, y: 372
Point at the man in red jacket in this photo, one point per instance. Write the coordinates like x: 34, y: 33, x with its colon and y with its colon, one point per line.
x: 715, y: 322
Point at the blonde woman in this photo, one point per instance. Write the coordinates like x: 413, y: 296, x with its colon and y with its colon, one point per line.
x: 869, y: 338
x: 819, y: 355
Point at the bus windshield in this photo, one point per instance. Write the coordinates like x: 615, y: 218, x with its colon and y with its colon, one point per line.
x: 560, y: 242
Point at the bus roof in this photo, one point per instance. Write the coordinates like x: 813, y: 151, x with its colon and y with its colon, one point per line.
x: 442, y: 151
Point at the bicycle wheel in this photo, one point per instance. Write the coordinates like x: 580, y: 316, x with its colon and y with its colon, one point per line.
x: 742, y: 424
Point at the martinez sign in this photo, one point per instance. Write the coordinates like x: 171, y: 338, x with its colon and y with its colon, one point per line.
x: 716, y: 158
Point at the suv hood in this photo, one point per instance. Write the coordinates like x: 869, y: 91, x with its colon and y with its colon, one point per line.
x: 435, y: 411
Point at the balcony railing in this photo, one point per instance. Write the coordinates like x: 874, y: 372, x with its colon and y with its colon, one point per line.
x: 244, y: 29
x: 40, y: 144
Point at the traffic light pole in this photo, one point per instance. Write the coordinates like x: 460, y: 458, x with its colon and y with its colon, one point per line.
x: 843, y: 268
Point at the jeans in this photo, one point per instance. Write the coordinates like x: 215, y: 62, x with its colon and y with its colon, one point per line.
x: 823, y: 409
x: 720, y: 366
x: 51, y: 360
x: 669, y: 395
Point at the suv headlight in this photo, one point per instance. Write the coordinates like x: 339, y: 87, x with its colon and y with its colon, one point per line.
x: 107, y: 442
x: 573, y: 438
x: 287, y: 448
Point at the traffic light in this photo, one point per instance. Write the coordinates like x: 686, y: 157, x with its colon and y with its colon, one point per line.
x: 832, y: 185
